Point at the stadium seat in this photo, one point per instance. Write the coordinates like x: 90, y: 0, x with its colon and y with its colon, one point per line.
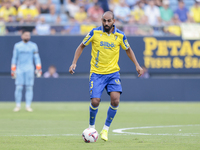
x: 64, y: 18
x: 57, y: 5
x: 189, y: 3
x: 173, y: 4
x: 48, y: 18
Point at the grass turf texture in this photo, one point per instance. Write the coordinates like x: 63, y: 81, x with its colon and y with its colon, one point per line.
x: 58, y: 126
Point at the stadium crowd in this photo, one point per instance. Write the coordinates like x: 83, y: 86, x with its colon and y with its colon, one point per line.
x: 74, y: 17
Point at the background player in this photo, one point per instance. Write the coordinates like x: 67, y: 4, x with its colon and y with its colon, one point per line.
x: 22, y: 68
x: 104, y: 72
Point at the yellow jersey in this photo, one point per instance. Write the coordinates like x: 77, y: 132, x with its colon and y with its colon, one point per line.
x: 195, y: 13
x: 5, y: 13
x: 24, y: 11
x: 105, y: 49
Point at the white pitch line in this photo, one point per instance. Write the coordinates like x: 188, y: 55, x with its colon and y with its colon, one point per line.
x: 122, y: 130
x: 46, y: 135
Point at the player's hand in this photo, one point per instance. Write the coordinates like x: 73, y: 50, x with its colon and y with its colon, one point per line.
x: 38, y: 71
x: 13, y: 71
x: 139, y: 70
x: 72, y: 68
x: 13, y: 74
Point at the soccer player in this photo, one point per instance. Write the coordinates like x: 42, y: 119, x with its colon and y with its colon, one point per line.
x: 22, y: 68
x: 104, y: 72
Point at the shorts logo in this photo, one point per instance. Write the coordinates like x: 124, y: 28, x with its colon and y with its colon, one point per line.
x: 117, y: 81
x: 107, y: 45
x: 91, y: 85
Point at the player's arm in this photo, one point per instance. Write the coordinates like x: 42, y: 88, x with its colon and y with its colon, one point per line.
x: 37, y: 61
x: 132, y: 57
x: 77, y: 54
x: 13, y: 63
x: 86, y: 41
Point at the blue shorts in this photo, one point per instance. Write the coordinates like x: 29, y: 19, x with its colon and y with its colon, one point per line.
x: 24, y: 77
x: 111, y: 82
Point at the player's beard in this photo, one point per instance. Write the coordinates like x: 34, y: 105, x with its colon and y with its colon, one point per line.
x: 26, y: 40
x: 107, y: 29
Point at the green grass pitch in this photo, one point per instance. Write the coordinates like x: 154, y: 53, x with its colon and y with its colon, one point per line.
x: 58, y: 126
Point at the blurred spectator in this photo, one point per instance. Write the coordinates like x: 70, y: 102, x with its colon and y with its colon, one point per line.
x: 87, y: 27
x: 131, y: 3
x: 44, y: 6
x: 95, y: 13
x: 144, y: 1
x: 166, y: 13
x: 81, y: 15
x: 72, y: 7
x: 195, y: 11
x: 51, y: 18
x: 137, y: 13
x: 153, y: 13
x: 145, y: 75
x: 7, y: 9
x: 73, y: 28
x: 2, y: 26
x: 104, y: 5
x: 11, y: 28
x: 27, y: 24
x: 16, y: 4
x: 51, y: 73
x: 158, y: 3
x: 87, y: 4
x: 181, y: 12
x: 28, y: 9
x: 158, y: 31
x: 112, y: 4
x: 42, y: 28
x: 57, y: 27
x: 145, y: 30
x: 130, y: 29
x: 122, y: 12
x: 173, y: 29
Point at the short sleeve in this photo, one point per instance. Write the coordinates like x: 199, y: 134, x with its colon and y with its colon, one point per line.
x: 35, y: 48
x: 88, y: 38
x: 125, y: 45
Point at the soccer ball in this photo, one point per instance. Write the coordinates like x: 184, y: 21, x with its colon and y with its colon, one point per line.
x: 90, y: 135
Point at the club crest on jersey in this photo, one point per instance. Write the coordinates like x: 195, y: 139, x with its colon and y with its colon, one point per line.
x: 107, y: 45
x: 116, y: 37
x: 117, y: 81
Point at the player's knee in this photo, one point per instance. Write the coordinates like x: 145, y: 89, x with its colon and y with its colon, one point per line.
x: 19, y: 88
x: 95, y: 102
x: 115, y: 102
x: 29, y: 88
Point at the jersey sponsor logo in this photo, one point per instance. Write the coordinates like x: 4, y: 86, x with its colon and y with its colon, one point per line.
x: 107, y: 45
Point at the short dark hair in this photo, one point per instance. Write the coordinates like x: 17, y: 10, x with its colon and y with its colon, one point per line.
x: 23, y: 31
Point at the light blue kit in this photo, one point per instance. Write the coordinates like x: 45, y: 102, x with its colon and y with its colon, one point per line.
x: 23, y: 56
